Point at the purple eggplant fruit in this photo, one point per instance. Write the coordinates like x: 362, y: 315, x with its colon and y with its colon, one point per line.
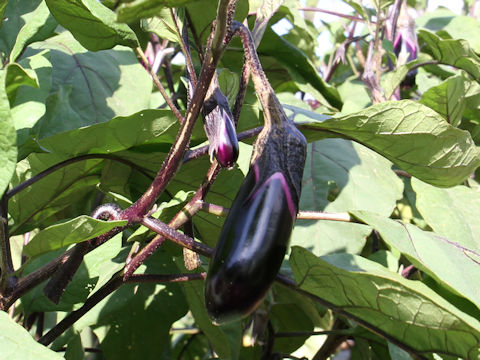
x: 255, y: 235
x: 220, y: 129
x: 405, y: 44
x: 256, y: 232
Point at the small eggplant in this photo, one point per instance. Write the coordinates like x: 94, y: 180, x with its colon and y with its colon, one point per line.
x: 256, y: 233
x: 405, y: 44
x: 220, y: 129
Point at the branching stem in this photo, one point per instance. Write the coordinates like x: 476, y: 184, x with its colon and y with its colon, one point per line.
x: 174, y: 159
x: 159, y: 85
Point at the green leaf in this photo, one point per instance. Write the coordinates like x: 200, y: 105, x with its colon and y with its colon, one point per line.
x: 456, y: 53
x: 405, y: 312
x: 450, y: 212
x: 29, y: 105
x: 66, y: 193
x: 225, y: 339
x: 457, y: 26
x: 97, y: 268
x: 300, y: 68
x: 75, y: 349
x: 162, y: 25
x: 229, y: 83
x: 355, y: 96
x: 17, y: 343
x: 264, y: 13
x: 40, y: 26
x: 412, y: 136
x: 289, y: 318
x: 151, y: 310
x: 397, y: 353
x: 8, y: 138
x: 435, y: 20
x: 16, y: 77
x: 339, y: 176
x: 18, y: 13
x: 135, y: 321
x: 74, y: 231
x: 158, y: 127
x: 139, y: 9
x: 89, y: 88
x: 447, y: 99
x: 432, y: 253
x: 92, y: 24
x: 391, y: 80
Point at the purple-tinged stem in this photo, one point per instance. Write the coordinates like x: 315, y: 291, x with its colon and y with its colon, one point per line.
x: 106, y: 290
x: 159, y: 85
x: 178, y: 220
x: 166, y: 231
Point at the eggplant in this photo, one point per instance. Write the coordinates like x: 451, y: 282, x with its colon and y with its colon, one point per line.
x: 405, y: 44
x: 256, y: 233
x: 220, y: 129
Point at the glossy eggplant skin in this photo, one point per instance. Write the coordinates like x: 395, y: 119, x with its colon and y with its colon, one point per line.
x: 251, y: 247
x: 256, y: 232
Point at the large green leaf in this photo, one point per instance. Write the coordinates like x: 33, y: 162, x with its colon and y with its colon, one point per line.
x: 97, y: 267
x: 40, y: 26
x: 300, y: 68
x: 457, y: 26
x: 89, y: 88
x: 70, y: 232
x: 447, y: 99
x: 135, y: 320
x: 432, y: 253
x: 411, y: 135
x: 450, y: 212
x: 63, y: 194
x: 139, y: 9
x: 17, y: 343
x: 92, y: 24
x: 29, y: 105
x: 456, y: 53
x: 339, y: 176
x: 406, y: 312
x: 8, y: 138
x: 157, y: 127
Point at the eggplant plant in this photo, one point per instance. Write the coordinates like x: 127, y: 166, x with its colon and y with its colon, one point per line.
x: 214, y: 179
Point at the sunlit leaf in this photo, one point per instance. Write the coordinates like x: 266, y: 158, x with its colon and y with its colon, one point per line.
x: 405, y: 312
